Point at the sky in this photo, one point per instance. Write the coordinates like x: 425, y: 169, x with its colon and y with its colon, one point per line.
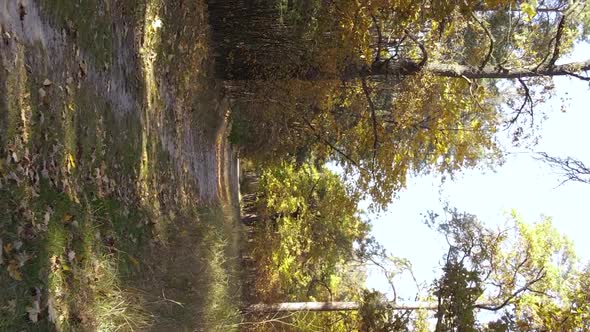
x: 522, y: 183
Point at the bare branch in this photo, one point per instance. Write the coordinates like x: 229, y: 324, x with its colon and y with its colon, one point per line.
x: 578, y: 76
x: 572, y: 169
x: 386, y: 273
x: 527, y: 100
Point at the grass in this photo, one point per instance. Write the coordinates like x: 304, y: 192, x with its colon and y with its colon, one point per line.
x: 92, y: 206
x: 220, y: 305
x: 87, y: 22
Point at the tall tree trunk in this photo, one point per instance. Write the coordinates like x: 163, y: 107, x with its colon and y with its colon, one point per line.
x: 330, y: 306
x: 455, y: 70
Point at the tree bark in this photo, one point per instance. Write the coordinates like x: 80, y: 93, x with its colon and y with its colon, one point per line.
x: 456, y: 70
x: 330, y: 306
x: 407, y: 68
x: 452, y: 70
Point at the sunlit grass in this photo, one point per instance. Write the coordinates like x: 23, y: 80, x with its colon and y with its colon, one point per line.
x: 85, y: 287
x: 221, y: 306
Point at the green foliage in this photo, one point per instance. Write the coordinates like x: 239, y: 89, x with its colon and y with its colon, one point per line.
x: 316, y: 221
x: 303, y: 243
x: 528, y: 271
x: 376, y: 314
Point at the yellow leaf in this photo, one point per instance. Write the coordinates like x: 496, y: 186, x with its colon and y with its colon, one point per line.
x: 70, y: 163
x: 67, y: 218
x: 13, y: 271
x: 134, y: 261
x: 529, y: 8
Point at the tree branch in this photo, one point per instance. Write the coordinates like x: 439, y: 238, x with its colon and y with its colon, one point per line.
x: 380, y: 36
x: 373, y: 119
x: 572, y: 169
x: 421, y: 46
x: 458, y: 71
x: 332, y: 146
x: 526, y: 286
x: 557, y: 45
x: 490, y: 37
x: 527, y: 100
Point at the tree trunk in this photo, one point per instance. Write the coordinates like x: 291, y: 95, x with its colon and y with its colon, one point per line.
x: 453, y: 70
x: 252, y: 43
x: 404, y: 68
x: 330, y: 306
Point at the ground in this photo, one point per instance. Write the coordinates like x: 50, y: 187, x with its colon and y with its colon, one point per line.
x: 118, y: 202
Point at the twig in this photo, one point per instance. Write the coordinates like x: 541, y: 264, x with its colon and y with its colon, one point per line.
x: 527, y: 100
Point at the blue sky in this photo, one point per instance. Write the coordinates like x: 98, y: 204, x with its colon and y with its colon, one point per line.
x: 522, y: 183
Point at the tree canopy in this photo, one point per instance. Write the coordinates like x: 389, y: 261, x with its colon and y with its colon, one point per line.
x: 391, y: 88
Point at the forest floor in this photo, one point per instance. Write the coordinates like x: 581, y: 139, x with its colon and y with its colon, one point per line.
x: 118, y: 191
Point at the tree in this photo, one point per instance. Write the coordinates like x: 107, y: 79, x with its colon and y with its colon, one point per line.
x: 302, y: 241
x: 389, y: 88
x: 528, y: 273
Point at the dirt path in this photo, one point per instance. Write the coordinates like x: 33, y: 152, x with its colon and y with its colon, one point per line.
x: 119, y: 190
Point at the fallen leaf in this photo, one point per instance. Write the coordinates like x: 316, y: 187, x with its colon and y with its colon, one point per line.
x: 71, y: 256
x: 134, y: 261
x: 13, y: 271
x: 47, y: 82
x: 67, y: 218
x: 8, y: 247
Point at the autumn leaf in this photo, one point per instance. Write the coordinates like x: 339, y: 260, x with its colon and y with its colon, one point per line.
x: 70, y: 163
x: 67, y: 218
x: 529, y: 8
x: 13, y: 270
x: 133, y: 261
